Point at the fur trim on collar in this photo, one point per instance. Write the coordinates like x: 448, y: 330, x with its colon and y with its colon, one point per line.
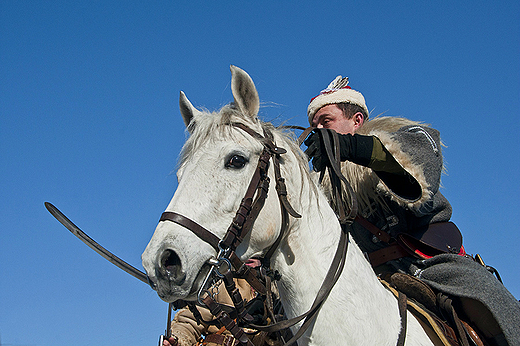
x: 370, y: 191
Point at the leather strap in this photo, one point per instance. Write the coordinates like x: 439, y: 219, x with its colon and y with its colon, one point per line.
x: 219, y: 339
x: 332, y: 276
x: 331, y: 141
x: 245, y: 272
x: 338, y: 262
x: 381, y: 235
x: 445, y: 303
x: 445, y: 333
x: 391, y: 252
x: 226, y: 321
x: 402, y: 302
x: 236, y: 297
x: 199, y: 231
x: 249, y: 208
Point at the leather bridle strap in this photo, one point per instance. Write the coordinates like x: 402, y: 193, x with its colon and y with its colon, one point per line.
x: 250, y: 206
x: 247, y: 211
x: 331, y: 142
x: 226, y: 321
x: 402, y: 302
x: 330, y: 280
x: 197, y: 229
x: 242, y: 270
x: 332, y: 150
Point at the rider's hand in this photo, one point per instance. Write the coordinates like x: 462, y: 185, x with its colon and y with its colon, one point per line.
x: 316, y: 152
x: 355, y: 148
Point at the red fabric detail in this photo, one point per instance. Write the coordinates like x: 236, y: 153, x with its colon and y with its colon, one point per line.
x: 421, y: 254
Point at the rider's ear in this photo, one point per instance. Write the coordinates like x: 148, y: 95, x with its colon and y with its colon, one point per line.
x: 358, y: 120
x: 244, y: 92
x: 187, y: 111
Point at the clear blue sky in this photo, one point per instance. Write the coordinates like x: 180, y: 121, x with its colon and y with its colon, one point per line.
x: 89, y: 121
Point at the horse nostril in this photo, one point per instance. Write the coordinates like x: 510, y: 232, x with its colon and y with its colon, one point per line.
x: 170, y: 267
x: 170, y: 260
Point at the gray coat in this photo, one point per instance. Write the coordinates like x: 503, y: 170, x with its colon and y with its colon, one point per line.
x: 401, y: 205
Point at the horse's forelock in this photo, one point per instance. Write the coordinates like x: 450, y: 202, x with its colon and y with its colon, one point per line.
x: 208, y: 126
x: 211, y: 125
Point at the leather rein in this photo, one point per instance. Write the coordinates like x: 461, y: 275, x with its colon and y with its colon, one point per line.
x: 227, y: 265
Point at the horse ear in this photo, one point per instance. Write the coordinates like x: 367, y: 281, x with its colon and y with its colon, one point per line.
x: 187, y: 109
x: 244, y: 92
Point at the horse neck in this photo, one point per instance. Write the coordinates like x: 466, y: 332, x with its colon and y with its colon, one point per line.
x: 303, y: 261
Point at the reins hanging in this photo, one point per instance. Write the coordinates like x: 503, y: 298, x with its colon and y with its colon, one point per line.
x: 242, y: 223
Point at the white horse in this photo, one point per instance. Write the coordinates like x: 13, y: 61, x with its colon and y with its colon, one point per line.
x: 217, y: 163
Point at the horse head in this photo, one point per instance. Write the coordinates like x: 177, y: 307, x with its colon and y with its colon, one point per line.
x: 217, y: 163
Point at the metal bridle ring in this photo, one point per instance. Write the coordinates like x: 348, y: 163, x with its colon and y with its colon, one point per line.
x: 220, y: 265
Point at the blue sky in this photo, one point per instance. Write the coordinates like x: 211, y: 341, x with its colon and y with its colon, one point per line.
x: 89, y: 121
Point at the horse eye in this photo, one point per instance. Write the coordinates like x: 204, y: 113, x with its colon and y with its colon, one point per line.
x: 236, y: 161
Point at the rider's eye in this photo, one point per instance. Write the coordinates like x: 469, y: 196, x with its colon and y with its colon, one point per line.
x: 236, y: 161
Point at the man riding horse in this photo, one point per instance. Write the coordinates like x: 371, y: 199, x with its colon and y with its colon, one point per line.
x: 394, y: 166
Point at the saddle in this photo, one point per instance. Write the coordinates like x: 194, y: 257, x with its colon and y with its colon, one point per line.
x: 434, y: 312
x: 434, y: 308
x: 433, y: 239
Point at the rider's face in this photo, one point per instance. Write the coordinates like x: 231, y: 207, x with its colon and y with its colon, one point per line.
x: 332, y: 117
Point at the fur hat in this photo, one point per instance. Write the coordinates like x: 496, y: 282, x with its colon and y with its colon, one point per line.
x: 338, y: 91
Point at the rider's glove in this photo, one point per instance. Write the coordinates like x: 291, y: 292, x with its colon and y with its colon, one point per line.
x: 355, y: 148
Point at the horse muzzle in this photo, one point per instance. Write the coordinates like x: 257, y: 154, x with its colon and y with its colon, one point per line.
x: 168, y: 276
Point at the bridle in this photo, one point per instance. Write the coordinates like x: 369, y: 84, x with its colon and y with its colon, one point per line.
x: 243, y: 221
x: 250, y: 206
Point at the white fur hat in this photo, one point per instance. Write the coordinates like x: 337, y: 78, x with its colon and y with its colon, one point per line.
x: 338, y: 91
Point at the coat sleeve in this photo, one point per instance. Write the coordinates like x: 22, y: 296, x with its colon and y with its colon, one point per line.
x: 417, y: 149
x: 185, y: 328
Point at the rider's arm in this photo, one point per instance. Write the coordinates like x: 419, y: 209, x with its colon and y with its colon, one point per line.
x: 368, y: 151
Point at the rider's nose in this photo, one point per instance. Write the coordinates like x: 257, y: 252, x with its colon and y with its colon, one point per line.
x: 170, y: 268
